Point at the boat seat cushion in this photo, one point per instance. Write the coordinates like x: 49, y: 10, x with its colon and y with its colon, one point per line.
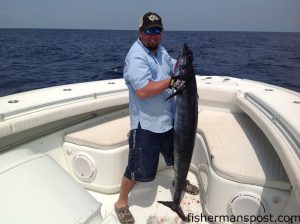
x: 240, y: 151
x: 37, y: 190
x: 107, y: 135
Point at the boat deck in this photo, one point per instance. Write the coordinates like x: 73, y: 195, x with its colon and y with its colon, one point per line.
x: 143, y: 201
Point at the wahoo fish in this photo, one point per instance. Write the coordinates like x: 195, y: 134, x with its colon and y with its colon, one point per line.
x: 185, y: 127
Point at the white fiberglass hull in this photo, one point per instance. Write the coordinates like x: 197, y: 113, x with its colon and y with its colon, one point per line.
x: 64, y: 123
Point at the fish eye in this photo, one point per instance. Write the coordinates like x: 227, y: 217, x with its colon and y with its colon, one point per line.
x: 183, y: 61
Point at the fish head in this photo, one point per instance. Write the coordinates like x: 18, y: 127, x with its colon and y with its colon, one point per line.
x: 184, y: 67
x: 187, y: 53
x: 184, y: 64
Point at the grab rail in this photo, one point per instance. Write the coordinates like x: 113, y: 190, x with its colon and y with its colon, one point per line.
x: 15, y: 113
x: 283, y: 126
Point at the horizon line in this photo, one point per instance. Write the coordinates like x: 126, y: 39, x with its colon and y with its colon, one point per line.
x: 171, y: 30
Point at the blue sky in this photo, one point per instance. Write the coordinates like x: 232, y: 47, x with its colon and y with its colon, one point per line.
x: 202, y: 15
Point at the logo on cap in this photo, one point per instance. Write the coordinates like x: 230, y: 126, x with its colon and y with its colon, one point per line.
x: 153, y: 17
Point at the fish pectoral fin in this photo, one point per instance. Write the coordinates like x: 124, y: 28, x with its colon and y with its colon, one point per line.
x: 174, y: 94
x: 176, y: 208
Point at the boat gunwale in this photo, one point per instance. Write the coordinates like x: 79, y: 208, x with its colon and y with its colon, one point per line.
x: 57, y: 103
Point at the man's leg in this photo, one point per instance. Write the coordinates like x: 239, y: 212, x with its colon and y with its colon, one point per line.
x: 126, y: 187
x: 121, y: 206
x: 142, y: 166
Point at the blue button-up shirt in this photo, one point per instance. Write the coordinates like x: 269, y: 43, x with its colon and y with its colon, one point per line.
x: 141, y: 66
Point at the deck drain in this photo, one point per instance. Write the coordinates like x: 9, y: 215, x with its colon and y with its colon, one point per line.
x: 296, y: 101
x: 270, y: 90
x: 13, y: 101
x: 67, y: 90
x: 111, y: 83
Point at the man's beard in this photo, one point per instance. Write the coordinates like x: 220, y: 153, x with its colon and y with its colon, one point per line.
x: 152, y: 48
x: 152, y: 45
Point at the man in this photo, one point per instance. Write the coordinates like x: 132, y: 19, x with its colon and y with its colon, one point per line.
x: 147, y: 72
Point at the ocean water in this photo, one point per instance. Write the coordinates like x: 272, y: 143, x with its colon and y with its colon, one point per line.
x: 37, y: 58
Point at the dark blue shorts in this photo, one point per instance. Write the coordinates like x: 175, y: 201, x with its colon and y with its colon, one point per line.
x: 144, y: 149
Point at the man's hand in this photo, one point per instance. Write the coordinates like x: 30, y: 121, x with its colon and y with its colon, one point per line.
x: 178, y: 83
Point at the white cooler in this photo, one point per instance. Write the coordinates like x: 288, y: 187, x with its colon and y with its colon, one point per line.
x: 36, y: 190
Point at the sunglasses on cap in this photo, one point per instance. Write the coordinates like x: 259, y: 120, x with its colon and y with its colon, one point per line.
x: 156, y: 30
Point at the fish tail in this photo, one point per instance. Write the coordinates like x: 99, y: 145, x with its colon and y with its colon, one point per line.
x: 176, y: 208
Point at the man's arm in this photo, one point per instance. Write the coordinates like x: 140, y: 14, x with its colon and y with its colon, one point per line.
x: 152, y: 88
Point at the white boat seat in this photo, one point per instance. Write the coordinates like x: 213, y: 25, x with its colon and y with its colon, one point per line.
x: 108, y: 135
x: 37, y: 190
x: 240, y: 151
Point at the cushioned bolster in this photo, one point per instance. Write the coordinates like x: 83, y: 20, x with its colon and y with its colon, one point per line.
x: 282, y: 110
x: 5, y: 128
x: 37, y: 118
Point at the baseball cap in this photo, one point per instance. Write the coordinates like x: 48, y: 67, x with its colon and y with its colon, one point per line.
x: 150, y: 20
